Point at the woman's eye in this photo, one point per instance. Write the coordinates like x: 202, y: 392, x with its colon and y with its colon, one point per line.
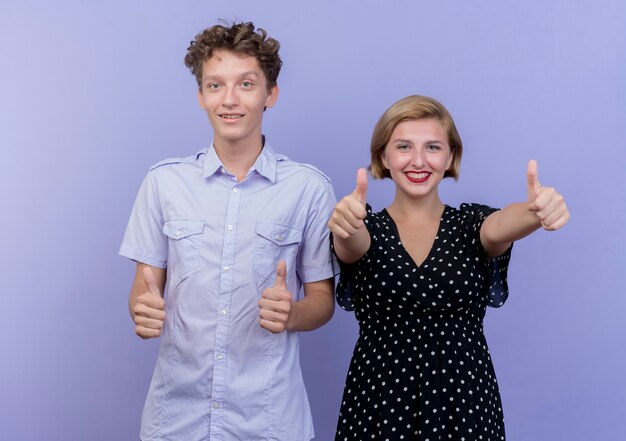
x: 403, y: 147
x: 433, y: 147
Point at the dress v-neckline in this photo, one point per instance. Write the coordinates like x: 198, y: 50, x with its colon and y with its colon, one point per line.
x: 432, y: 247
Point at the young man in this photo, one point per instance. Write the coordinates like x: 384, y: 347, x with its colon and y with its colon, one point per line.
x: 236, y: 230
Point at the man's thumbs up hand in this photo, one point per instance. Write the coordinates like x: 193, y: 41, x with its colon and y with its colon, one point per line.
x: 149, y: 309
x: 275, y: 303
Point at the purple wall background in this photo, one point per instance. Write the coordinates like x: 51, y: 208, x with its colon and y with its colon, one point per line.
x: 93, y: 93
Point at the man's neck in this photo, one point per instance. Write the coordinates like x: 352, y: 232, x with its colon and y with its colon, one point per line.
x: 238, y: 158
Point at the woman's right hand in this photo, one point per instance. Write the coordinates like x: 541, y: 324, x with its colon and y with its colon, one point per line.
x: 347, y: 217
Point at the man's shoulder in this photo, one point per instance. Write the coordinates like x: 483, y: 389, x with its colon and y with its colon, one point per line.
x: 301, y: 169
x: 178, y: 160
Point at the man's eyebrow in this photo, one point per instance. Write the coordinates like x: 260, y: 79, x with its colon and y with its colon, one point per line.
x: 242, y: 75
x: 249, y: 73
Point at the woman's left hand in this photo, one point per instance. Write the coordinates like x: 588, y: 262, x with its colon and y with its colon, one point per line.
x: 547, y: 203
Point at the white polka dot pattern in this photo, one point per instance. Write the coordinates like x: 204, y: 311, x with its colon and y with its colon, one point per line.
x: 421, y: 368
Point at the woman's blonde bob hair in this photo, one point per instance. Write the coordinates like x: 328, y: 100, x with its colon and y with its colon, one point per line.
x: 414, y: 107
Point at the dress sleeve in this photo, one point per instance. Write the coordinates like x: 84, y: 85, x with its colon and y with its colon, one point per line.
x: 495, y: 268
x: 347, y: 271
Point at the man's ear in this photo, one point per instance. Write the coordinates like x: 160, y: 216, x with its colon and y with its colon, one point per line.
x: 272, y: 97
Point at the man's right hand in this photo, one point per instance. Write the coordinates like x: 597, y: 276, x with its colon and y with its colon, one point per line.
x: 149, y: 309
x: 348, y: 215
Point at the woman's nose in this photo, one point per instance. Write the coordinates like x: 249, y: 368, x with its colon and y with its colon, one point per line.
x: 417, y: 157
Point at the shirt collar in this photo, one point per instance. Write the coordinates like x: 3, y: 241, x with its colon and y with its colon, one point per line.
x: 265, y: 163
x: 212, y: 162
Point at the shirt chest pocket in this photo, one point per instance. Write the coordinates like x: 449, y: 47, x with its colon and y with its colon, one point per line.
x: 275, y: 242
x: 184, y: 245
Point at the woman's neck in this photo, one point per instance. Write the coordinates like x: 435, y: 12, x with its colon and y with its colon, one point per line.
x: 427, y: 207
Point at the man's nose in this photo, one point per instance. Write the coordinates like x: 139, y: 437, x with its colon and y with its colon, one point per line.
x: 231, y: 97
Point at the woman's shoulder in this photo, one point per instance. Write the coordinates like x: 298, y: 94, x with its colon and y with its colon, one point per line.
x: 376, y: 222
x: 378, y: 215
x: 469, y: 214
x: 471, y: 209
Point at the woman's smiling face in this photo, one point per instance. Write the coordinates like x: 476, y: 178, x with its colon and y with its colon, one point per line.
x: 417, y: 156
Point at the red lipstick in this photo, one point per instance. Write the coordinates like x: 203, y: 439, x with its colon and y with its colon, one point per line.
x: 423, y: 177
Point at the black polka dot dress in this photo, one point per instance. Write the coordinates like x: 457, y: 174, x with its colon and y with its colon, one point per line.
x: 421, y: 369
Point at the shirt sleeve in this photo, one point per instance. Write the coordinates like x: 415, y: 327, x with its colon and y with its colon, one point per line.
x: 144, y: 240
x: 347, y: 272
x: 315, y: 262
x: 496, y: 268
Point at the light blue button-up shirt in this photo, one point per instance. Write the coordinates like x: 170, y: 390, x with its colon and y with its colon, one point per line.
x: 219, y: 375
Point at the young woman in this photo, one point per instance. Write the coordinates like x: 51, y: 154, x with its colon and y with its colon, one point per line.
x: 419, y: 276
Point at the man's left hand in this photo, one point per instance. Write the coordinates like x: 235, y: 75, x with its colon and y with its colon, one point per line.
x: 275, y: 303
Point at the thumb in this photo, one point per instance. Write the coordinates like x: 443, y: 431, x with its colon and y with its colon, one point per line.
x: 148, y: 277
x: 281, y: 275
x: 360, y: 190
x: 533, y: 180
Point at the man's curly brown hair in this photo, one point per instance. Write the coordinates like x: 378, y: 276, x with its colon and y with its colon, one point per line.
x: 240, y: 38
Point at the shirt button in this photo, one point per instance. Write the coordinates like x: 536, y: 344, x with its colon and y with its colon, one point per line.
x: 226, y: 269
x: 279, y: 237
x: 222, y: 169
x: 219, y: 356
x: 230, y: 228
x: 216, y: 405
x: 235, y: 189
x: 222, y: 312
x: 178, y: 233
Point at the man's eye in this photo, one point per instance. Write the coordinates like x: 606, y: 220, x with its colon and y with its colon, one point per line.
x: 213, y: 86
x: 246, y: 84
